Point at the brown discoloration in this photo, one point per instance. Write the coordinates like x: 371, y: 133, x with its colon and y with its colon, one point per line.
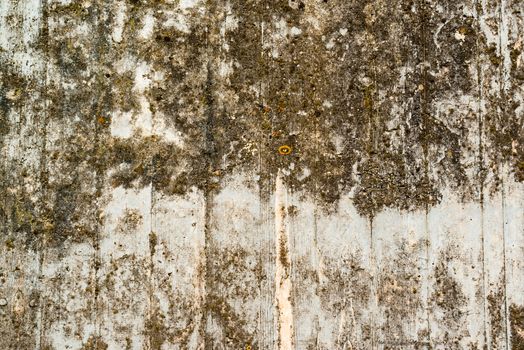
x: 284, y: 253
x: 328, y: 96
x: 345, y: 290
x: 354, y: 88
x: 152, y: 161
x: 232, y: 324
x: 390, y: 181
x: 497, y: 316
x: 232, y: 276
x: 516, y: 318
x: 157, y: 331
x: 95, y: 343
x: 176, y: 323
x: 130, y: 221
x: 14, y: 89
x: 399, y: 295
x: 449, y: 299
x: 388, y: 177
x: 153, y: 241
x: 292, y: 211
x: 159, y: 327
x: 16, y: 317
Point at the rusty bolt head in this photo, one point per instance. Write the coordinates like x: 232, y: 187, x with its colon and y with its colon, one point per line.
x: 285, y: 150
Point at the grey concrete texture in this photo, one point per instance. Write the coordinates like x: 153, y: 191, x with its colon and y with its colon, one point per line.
x: 241, y: 174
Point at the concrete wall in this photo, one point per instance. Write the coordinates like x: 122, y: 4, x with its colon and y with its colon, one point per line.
x: 255, y: 174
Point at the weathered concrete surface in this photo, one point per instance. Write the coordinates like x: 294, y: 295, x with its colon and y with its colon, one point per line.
x: 239, y: 174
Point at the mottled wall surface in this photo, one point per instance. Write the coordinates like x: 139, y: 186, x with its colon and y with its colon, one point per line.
x: 255, y: 174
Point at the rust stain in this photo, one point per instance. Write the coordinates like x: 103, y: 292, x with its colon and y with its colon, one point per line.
x: 285, y: 150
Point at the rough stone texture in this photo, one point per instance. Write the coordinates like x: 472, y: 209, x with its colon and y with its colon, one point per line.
x: 240, y: 174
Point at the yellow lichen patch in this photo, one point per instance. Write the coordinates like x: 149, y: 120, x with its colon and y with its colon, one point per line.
x: 285, y: 150
x: 101, y: 120
x: 463, y: 30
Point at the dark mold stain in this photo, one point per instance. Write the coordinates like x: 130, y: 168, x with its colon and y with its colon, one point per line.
x: 345, y: 289
x: 233, y: 276
x: 157, y: 331
x: 399, y: 294
x: 352, y: 96
x: 497, y: 315
x: 347, y: 119
x: 449, y: 299
x: 95, y: 343
x: 516, y: 318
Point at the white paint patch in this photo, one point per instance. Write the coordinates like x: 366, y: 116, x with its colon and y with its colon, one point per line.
x: 142, y: 80
x: 327, y: 104
x: 397, y: 233
x: 491, y: 37
x: 121, y: 124
x: 450, y: 222
x: 231, y: 21
x: 167, y: 133
x: 23, y: 28
x: 280, y: 36
x: 188, y: 214
x: 225, y: 69
x: 294, y: 31
x: 149, y: 25
x: 187, y: 4
x: 281, y: 29
x: 73, y: 268
x: 125, y: 64
x: 5, y: 33
x: 120, y: 17
x: 144, y: 120
x: 460, y: 36
x: 305, y: 174
x: 338, y: 142
x: 330, y: 44
x: 178, y: 21
x: 178, y: 222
